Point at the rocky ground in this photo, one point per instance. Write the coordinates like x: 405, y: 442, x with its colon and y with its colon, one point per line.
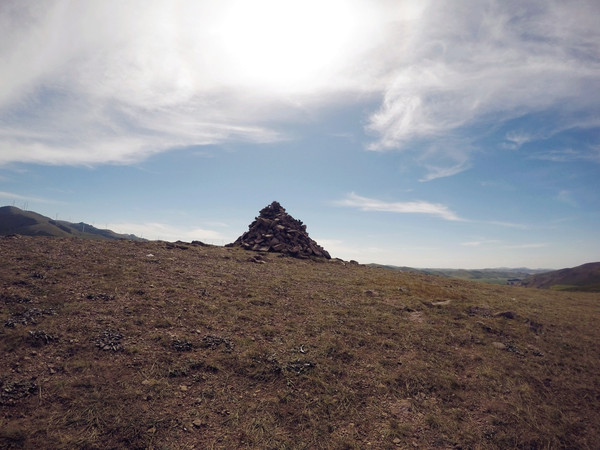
x: 174, y: 345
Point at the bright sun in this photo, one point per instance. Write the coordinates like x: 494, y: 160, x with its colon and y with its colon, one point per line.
x: 286, y: 45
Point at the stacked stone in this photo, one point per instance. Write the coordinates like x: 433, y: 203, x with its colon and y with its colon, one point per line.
x: 274, y: 230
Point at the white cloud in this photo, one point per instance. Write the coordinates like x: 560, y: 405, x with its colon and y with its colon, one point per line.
x: 516, y: 139
x: 166, y: 232
x: 417, y: 207
x: 80, y: 142
x: 107, y: 81
x: 473, y: 65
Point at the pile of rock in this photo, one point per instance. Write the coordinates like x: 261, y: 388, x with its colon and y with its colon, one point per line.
x: 274, y: 230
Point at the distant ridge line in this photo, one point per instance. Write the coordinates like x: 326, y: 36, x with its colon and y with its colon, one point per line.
x: 14, y: 220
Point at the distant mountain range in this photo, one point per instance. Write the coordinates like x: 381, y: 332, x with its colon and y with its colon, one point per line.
x: 586, y: 277
x: 501, y: 275
x: 581, y: 278
x: 16, y: 221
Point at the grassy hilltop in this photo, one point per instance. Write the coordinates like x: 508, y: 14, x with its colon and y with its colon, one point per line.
x: 124, y: 344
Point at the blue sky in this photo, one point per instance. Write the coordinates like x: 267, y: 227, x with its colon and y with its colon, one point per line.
x: 460, y: 134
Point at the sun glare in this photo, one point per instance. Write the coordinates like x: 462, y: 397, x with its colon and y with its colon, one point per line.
x: 288, y: 45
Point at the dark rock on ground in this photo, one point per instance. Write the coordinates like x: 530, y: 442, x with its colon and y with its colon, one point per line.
x: 109, y: 340
x: 11, y: 391
x: 182, y: 346
x: 38, y: 338
x: 213, y: 342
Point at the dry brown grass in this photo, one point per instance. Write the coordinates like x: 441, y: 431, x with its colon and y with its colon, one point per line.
x: 216, y: 351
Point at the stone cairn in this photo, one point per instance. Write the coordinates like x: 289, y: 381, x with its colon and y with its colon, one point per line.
x: 274, y: 230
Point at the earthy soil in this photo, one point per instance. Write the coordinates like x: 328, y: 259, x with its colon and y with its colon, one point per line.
x: 122, y: 344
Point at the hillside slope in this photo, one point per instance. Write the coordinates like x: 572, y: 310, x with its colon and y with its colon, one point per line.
x: 581, y: 278
x: 28, y: 223
x: 125, y: 344
x: 495, y: 276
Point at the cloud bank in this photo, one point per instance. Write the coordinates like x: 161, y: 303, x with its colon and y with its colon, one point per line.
x: 107, y: 81
x: 114, y: 82
x: 161, y: 231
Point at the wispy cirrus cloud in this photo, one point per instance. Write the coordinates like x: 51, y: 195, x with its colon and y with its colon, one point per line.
x: 437, y: 171
x: 480, y: 243
x: 420, y: 207
x: 26, y: 198
x: 499, y: 244
x: 515, y: 139
x: 591, y: 154
x: 416, y: 207
x: 528, y: 245
x: 473, y: 66
x: 500, y: 223
x: 565, y: 196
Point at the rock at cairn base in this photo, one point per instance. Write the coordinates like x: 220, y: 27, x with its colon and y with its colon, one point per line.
x: 274, y: 230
